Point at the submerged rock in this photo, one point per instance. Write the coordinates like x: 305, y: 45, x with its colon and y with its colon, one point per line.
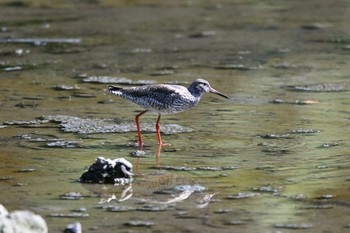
x: 274, y: 136
x: 115, y: 80
x: 302, y: 131
x: 72, y: 196
x: 268, y: 189
x: 320, y: 87
x: 108, y: 171
x: 21, y: 221
x: 87, y: 126
x: 243, y: 195
x: 139, y: 223
x: 66, y: 88
x: 296, y: 102
x: 233, y: 67
x: 293, y: 225
x: 73, y: 228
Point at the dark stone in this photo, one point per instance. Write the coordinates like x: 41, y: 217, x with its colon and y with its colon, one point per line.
x: 108, y: 171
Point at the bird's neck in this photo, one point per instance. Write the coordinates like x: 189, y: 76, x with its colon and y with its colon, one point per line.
x: 195, y: 92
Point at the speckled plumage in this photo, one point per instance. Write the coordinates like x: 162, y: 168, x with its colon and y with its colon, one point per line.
x: 164, y: 98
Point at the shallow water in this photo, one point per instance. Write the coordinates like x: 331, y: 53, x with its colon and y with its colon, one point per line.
x: 268, y: 162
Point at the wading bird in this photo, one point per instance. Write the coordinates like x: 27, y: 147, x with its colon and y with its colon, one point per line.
x: 163, y: 99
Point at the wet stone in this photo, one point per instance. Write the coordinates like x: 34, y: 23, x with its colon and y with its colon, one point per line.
x: 236, y: 222
x: 89, y: 126
x: 21, y: 221
x: 318, y: 207
x: 269, y: 189
x: 107, y: 80
x: 25, y: 170
x: 40, y: 41
x: 5, y: 178
x: 297, y: 197
x: 203, y: 34
x: 293, y: 225
x: 138, y: 153
x: 329, y: 145
x: 162, y: 72
x: 223, y: 211
x: 118, y: 208
x: 285, y: 65
x: 274, y: 136
x: 174, y: 168
x: 325, y: 196
x: 73, y: 228
x: 195, y: 188
x: 233, y: 67
x: 33, y: 122
x: 153, y: 208
x: 142, y: 50
x: 84, y: 95
x: 80, y: 209
x: 243, y: 195
x: 108, y: 171
x: 66, y: 88
x: 70, y: 215
x: 63, y: 144
x: 315, y: 26
x: 26, y: 104
x: 217, y: 168
x: 296, y: 102
x: 322, y: 87
x: 37, y: 138
x: 303, y: 131
x: 139, y: 223
x: 72, y: 196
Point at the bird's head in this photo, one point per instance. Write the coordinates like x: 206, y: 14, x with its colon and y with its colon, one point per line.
x: 202, y: 86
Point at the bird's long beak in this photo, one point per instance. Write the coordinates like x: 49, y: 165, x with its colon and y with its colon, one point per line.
x: 212, y: 90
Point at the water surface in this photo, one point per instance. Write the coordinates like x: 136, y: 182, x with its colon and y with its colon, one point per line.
x: 289, y: 159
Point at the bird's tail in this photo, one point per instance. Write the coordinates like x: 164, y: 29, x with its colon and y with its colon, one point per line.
x: 114, y: 90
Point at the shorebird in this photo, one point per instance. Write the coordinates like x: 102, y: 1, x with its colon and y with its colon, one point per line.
x: 163, y: 99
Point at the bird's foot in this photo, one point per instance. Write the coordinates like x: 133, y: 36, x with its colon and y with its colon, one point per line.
x: 139, y: 145
x: 163, y: 144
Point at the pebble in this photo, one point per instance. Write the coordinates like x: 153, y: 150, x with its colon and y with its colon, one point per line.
x: 269, y: 189
x: 139, y: 223
x: 233, y: 67
x: 66, y: 88
x: 236, y: 222
x: 118, y: 208
x: 87, y: 126
x: 70, y: 215
x: 293, y: 225
x: 325, y: 196
x: 274, y: 136
x: 63, y: 144
x: 243, y: 195
x: 72, y: 196
x: 320, y: 87
x: 73, y: 228
x: 27, y: 170
x: 153, y: 208
x: 162, y: 72
x: 302, y: 131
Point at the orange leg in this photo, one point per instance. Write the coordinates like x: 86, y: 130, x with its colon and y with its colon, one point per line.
x: 160, y: 142
x: 139, y: 141
x: 158, y: 131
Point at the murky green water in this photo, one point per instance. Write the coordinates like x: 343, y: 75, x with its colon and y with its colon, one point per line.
x: 290, y: 161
